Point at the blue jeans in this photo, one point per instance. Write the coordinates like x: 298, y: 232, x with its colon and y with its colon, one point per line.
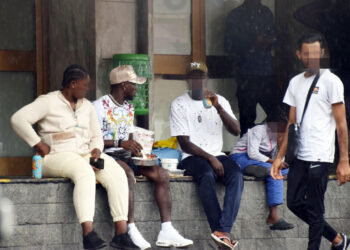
x: 205, y: 177
x: 274, y: 188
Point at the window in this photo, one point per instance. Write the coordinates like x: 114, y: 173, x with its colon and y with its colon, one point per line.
x: 22, y: 76
x: 183, y: 20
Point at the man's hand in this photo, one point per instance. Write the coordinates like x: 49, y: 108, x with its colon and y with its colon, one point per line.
x: 276, y: 169
x: 42, y: 148
x: 264, y: 41
x: 217, y: 166
x: 285, y: 165
x: 96, y: 153
x: 213, y: 98
x: 131, y: 145
x: 343, y: 172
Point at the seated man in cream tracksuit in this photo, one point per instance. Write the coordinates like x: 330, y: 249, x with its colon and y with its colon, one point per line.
x: 68, y: 135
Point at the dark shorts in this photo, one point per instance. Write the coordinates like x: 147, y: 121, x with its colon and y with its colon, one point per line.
x: 130, y: 163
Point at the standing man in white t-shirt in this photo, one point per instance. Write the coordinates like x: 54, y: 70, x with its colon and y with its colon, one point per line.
x: 199, y: 133
x: 308, y: 174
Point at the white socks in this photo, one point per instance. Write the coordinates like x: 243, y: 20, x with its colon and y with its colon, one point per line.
x: 131, y: 226
x: 166, y: 226
x: 137, y: 238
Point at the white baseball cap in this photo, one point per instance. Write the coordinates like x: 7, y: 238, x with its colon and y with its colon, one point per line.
x: 125, y: 73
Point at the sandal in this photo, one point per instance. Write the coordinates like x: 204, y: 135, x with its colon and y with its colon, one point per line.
x: 281, y: 224
x: 234, y: 243
x: 223, y: 242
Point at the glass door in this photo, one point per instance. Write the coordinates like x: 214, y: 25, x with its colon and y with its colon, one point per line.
x: 20, y: 77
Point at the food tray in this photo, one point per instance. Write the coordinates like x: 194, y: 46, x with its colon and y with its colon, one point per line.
x: 138, y: 161
x: 177, y: 172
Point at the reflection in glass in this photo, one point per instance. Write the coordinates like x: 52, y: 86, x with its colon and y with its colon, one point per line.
x: 17, y: 26
x: 16, y: 90
x: 172, y: 27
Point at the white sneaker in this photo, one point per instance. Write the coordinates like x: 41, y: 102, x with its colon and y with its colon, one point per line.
x: 138, y: 239
x: 172, y: 238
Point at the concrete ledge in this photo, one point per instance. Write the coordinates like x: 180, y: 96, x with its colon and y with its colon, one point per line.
x: 46, y: 218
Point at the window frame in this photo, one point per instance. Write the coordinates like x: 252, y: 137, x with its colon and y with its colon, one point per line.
x: 176, y: 64
x: 28, y: 61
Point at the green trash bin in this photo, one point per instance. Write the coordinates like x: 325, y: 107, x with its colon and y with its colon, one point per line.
x: 142, y: 67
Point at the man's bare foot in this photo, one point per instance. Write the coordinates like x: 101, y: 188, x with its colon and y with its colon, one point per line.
x: 272, y: 219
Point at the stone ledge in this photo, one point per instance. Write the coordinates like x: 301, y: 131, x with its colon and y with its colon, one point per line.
x: 46, y: 217
x: 173, y: 178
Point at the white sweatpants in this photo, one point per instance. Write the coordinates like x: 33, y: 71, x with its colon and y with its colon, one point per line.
x: 77, y: 168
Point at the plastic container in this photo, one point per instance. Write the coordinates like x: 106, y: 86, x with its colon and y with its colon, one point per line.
x: 169, y: 163
x: 167, y: 153
x: 142, y: 67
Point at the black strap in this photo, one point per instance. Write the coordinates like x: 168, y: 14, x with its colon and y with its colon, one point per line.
x: 313, y: 84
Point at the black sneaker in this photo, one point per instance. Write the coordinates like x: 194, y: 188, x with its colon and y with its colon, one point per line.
x: 256, y: 171
x: 92, y: 241
x: 123, y: 241
x: 344, y: 245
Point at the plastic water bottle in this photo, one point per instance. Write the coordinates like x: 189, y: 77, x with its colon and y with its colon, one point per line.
x: 37, y: 166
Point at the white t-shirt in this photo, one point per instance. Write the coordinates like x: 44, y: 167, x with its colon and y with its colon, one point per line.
x: 317, y: 132
x: 116, y: 121
x: 258, y: 139
x: 188, y: 117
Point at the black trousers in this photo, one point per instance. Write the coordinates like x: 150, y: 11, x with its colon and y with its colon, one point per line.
x: 307, y: 184
x: 252, y: 90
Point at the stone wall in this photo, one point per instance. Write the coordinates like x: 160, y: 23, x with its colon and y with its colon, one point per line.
x: 115, y: 34
x: 46, y: 217
x: 71, y: 40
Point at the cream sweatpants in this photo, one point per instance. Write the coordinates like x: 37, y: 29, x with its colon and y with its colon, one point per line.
x: 77, y: 168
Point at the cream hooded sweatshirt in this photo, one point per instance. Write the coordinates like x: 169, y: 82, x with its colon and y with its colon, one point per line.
x: 58, y: 125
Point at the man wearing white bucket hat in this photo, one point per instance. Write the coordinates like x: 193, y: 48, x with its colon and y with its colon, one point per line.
x: 116, y: 118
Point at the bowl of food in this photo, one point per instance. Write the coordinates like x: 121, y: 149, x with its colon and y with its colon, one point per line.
x: 146, y: 160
